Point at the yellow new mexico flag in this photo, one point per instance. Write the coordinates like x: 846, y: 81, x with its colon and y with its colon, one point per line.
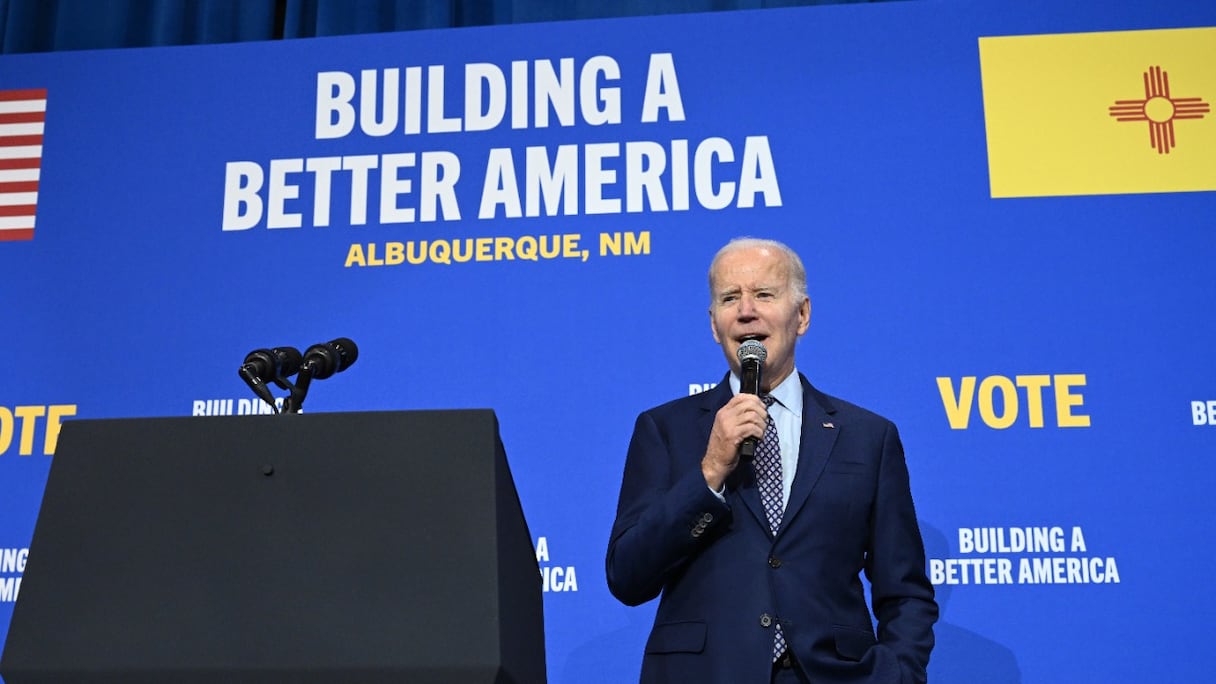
x: 1100, y: 113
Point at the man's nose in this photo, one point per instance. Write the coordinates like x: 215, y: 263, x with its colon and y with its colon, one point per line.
x: 747, y: 307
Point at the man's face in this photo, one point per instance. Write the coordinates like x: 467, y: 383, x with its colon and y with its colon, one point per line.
x: 753, y: 299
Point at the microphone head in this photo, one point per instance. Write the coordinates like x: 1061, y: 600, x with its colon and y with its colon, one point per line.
x: 288, y: 360
x: 331, y: 357
x: 347, y: 351
x: 752, y: 350
x: 267, y: 364
x: 259, y: 362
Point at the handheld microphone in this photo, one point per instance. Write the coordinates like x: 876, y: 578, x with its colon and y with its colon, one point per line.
x: 261, y: 365
x: 327, y: 358
x: 751, y: 356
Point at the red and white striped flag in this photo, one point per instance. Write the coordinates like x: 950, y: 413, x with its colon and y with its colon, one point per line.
x: 22, y: 117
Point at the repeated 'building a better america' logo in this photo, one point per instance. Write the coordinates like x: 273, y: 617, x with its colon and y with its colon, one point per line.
x: 22, y: 117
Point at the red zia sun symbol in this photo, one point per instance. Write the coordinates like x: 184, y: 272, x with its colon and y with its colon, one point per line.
x: 1159, y: 109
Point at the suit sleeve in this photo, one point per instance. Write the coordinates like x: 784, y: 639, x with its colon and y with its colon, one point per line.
x: 903, y: 597
x: 665, y: 514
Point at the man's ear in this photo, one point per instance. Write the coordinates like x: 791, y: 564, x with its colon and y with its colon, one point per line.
x: 804, y: 316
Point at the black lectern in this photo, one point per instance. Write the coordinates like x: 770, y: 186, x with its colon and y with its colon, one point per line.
x: 361, y: 547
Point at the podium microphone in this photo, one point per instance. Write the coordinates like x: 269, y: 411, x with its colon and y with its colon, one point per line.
x: 751, y: 357
x: 261, y: 365
x: 320, y: 361
x: 327, y: 358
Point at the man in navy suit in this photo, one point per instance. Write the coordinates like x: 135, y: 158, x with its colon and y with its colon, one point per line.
x: 759, y: 560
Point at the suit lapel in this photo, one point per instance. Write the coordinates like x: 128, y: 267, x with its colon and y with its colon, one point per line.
x: 818, y: 437
x: 711, y: 402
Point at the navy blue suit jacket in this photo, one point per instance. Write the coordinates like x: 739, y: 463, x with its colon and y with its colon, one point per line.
x: 725, y: 579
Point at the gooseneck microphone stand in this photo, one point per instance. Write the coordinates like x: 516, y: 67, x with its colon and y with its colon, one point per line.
x: 296, y: 392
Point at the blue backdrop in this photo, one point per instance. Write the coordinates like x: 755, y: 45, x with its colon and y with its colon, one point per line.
x: 195, y: 203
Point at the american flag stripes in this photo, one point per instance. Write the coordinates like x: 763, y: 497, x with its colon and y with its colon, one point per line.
x: 22, y: 117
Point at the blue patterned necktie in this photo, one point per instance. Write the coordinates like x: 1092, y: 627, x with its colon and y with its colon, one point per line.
x: 768, y: 480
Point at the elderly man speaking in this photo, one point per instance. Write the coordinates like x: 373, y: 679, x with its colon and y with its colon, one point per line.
x: 754, y: 508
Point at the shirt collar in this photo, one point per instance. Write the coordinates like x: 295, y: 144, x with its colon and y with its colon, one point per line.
x: 788, y: 393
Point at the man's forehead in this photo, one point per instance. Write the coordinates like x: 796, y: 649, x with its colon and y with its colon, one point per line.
x: 755, y: 273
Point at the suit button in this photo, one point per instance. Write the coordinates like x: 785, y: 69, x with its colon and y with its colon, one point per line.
x: 766, y: 620
x: 707, y: 518
x: 774, y: 562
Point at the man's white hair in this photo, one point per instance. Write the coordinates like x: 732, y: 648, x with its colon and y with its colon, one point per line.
x: 796, y: 271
